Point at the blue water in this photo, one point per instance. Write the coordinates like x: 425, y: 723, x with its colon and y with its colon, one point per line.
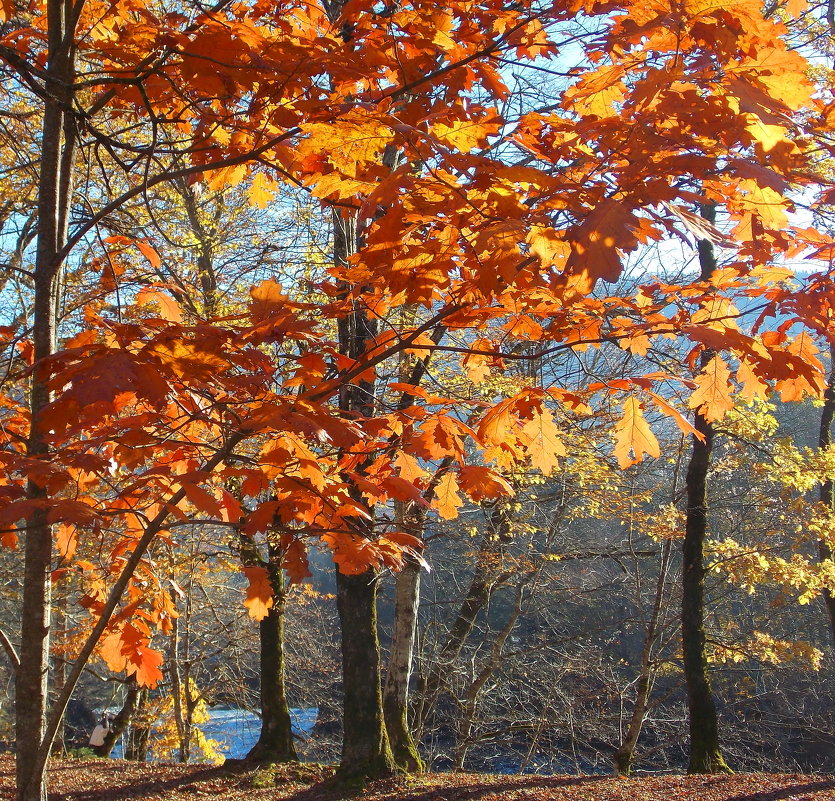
x: 237, y: 729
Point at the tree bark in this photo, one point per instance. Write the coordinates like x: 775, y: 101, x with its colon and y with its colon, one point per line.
x: 366, y: 752
x: 705, y: 752
x: 398, y: 674
x: 275, y: 742
x: 54, y: 192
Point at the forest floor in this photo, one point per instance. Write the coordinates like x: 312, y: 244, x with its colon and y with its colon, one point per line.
x: 117, y: 780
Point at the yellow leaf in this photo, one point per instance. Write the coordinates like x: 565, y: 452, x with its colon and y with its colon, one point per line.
x: 597, y: 93
x: 544, y: 442
x: 261, y: 191
x: 548, y: 245
x: 466, y: 135
x: 633, y: 436
x: 447, y: 500
x: 765, y: 202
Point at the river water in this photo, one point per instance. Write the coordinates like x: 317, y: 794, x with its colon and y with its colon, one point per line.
x: 237, y: 729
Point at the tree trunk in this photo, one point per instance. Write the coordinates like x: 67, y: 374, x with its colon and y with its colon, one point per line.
x: 705, y: 753
x: 365, y: 746
x: 827, y: 489
x: 120, y: 723
x: 275, y: 742
x: 366, y: 752
x: 396, y: 690
x: 54, y: 191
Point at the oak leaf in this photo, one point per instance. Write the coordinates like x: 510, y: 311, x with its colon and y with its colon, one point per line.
x: 712, y: 397
x: 259, y: 593
x: 543, y: 441
x: 633, y: 436
x: 447, y: 501
x: 597, y: 242
x: 482, y: 483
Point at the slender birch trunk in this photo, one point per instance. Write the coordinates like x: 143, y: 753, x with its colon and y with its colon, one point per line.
x: 398, y: 674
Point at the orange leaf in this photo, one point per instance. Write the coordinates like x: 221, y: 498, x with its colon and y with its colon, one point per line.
x: 409, y: 468
x: 633, y: 436
x: 110, y: 651
x: 149, y: 253
x: 680, y: 420
x: 169, y: 309
x: 482, y: 483
x: 66, y: 539
x: 202, y: 499
x: 752, y: 385
x: 597, y: 241
x: 712, y: 397
x: 259, y: 594
x: 295, y: 562
x: 144, y: 663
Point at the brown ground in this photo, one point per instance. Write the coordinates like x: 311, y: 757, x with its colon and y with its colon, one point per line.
x: 116, y: 780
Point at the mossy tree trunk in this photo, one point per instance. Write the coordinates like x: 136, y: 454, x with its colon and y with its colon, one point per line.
x: 275, y: 741
x: 366, y: 752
